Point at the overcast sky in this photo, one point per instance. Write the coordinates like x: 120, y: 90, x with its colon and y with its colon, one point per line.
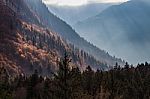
x: 78, y: 2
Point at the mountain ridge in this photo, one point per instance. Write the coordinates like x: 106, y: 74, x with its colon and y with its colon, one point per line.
x: 124, y: 25
x: 70, y: 35
x: 26, y: 45
x: 74, y: 14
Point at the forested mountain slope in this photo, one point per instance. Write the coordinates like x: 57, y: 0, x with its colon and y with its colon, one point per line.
x: 66, y: 32
x: 26, y: 44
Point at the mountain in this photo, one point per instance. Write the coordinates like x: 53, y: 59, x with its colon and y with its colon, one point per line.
x: 121, y: 29
x: 73, y: 14
x: 26, y: 44
x: 66, y: 32
x: 33, y: 38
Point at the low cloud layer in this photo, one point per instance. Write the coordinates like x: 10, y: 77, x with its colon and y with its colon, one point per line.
x: 78, y: 2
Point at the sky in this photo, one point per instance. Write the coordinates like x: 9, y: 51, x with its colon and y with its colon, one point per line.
x: 78, y: 2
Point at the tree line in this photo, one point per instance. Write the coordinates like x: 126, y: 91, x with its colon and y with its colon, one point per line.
x: 126, y: 82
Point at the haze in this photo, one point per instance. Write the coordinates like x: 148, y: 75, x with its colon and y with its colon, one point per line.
x: 78, y: 2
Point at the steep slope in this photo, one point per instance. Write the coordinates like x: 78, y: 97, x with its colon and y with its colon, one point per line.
x: 26, y: 45
x: 18, y: 53
x: 121, y: 29
x: 73, y: 14
x: 59, y: 26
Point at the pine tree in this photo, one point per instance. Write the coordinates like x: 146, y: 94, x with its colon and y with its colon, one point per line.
x: 126, y: 66
x: 88, y: 75
x: 32, y: 82
x: 4, y: 84
x: 62, y: 78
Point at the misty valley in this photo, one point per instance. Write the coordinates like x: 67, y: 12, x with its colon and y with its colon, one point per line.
x: 74, y: 49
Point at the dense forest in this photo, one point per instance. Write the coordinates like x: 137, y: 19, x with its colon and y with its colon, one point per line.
x: 26, y: 45
x: 31, y: 66
x: 126, y: 82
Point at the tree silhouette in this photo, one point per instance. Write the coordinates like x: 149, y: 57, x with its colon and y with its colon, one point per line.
x: 62, y: 77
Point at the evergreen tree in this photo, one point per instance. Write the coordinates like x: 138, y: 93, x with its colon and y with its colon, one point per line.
x: 62, y: 78
x: 88, y: 75
x: 4, y: 84
x: 32, y: 81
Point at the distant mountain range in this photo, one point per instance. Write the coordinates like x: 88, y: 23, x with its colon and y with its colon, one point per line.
x: 73, y: 14
x: 33, y: 38
x: 122, y: 30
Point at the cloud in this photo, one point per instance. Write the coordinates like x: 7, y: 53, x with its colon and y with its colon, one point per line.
x: 66, y: 2
x: 78, y: 2
x: 106, y: 1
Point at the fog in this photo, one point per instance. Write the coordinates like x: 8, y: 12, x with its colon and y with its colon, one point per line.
x: 122, y: 30
x: 72, y: 15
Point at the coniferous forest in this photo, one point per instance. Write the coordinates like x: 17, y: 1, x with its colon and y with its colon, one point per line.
x: 33, y: 41
x: 126, y: 82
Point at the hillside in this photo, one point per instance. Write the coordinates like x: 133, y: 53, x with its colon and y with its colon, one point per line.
x: 27, y: 45
x: 67, y: 33
x: 121, y: 29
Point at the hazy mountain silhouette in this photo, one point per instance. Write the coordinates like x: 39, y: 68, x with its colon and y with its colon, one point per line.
x: 73, y: 14
x: 123, y: 30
